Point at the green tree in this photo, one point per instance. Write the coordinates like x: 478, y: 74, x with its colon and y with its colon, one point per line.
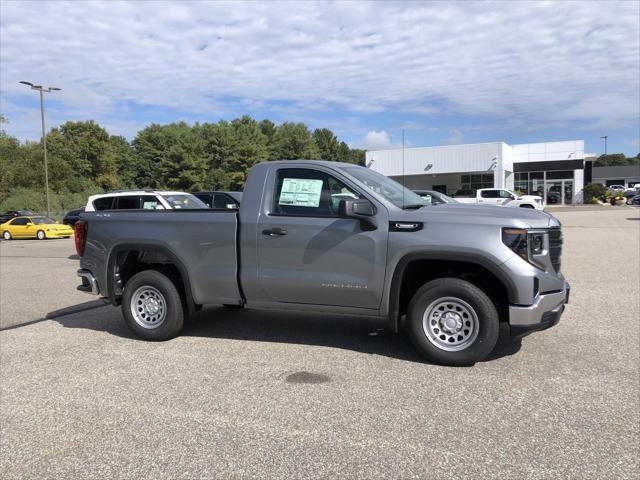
x: 616, y: 159
x: 169, y: 156
x: 327, y: 144
x: 294, y: 141
x: 80, y: 151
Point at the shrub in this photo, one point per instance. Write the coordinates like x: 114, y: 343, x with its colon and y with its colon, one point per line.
x: 596, y: 190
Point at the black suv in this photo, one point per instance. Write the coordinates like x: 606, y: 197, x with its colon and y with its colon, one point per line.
x: 72, y: 216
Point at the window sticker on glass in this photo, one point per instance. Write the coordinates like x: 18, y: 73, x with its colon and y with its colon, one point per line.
x: 152, y: 205
x: 300, y: 192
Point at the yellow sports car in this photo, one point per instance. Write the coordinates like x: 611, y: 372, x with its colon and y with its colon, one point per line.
x: 34, y: 227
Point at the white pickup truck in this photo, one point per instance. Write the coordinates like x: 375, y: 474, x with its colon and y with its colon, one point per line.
x: 502, y: 198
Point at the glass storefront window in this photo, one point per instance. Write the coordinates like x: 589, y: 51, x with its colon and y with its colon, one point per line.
x: 560, y: 175
x: 476, y: 181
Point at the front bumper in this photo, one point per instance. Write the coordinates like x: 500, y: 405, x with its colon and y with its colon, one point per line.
x: 59, y: 234
x: 544, y: 313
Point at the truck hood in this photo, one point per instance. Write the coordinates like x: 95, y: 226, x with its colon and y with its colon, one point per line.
x: 477, y: 214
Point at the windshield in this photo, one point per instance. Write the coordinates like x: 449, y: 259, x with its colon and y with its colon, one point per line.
x: 184, y: 200
x: 387, y: 188
x: 42, y: 220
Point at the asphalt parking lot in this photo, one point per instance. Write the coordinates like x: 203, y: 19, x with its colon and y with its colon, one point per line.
x: 81, y: 398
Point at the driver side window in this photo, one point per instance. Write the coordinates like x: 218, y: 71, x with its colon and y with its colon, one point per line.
x: 308, y: 192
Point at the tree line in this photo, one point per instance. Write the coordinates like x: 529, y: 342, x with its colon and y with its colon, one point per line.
x: 616, y: 160
x: 83, y: 158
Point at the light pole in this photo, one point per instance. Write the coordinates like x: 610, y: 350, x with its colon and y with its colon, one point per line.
x: 42, y: 90
x: 605, y: 149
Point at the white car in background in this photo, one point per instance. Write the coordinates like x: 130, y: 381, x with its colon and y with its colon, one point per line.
x: 500, y: 197
x: 143, y: 200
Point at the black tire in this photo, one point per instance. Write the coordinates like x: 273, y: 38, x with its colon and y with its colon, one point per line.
x: 7, y: 235
x: 165, y: 293
x: 40, y: 235
x: 526, y: 206
x: 476, y: 343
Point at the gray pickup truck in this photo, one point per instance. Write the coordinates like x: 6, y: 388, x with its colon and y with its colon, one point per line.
x: 338, y: 238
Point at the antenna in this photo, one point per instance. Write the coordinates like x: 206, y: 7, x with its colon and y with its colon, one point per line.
x: 403, y: 187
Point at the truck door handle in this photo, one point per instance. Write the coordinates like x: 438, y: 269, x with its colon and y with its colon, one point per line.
x: 275, y: 232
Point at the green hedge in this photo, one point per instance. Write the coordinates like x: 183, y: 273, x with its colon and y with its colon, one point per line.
x: 34, y: 200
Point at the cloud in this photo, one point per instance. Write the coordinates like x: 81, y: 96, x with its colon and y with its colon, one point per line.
x: 377, y: 141
x: 537, y: 64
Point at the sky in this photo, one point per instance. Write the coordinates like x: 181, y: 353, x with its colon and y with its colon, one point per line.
x: 445, y: 73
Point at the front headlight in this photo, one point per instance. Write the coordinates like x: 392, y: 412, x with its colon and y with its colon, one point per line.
x: 530, y: 245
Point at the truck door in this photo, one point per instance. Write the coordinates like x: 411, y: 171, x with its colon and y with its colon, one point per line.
x: 307, y: 253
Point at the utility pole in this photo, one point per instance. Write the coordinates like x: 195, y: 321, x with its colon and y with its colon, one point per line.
x: 42, y: 90
x: 605, y: 149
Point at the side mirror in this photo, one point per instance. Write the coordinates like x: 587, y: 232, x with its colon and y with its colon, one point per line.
x: 362, y: 209
x: 29, y: 224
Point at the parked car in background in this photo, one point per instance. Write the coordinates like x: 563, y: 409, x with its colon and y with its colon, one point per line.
x: 500, y: 197
x: 616, y: 188
x: 72, y: 216
x: 14, y: 213
x: 143, y: 200
x: 34, y: 227
x: 631, y: 192
x: 433, y: 197
x: 220, y: 199
x: 635, y: 200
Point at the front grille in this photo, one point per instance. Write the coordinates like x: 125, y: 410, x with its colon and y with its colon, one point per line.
x: 555, y: 247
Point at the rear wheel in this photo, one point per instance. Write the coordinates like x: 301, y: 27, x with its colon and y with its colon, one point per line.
x: 41, y: 235
x: 452, y: 322
x: 6, y: 235
x: 152, y: 306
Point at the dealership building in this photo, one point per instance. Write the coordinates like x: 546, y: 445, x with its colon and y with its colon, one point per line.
x: 556, y: 171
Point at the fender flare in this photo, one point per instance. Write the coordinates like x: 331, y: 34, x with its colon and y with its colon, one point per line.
x: 149, y: 247
x: 401, y: 266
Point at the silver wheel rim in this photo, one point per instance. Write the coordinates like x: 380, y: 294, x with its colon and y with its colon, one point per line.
x: 7, y: 235
x: 148, y: 307
x: 40, y: 235
x: 451, y: 324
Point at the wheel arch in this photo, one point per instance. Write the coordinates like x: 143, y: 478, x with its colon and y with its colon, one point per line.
x: 138, y: 248
x: 405, y: 281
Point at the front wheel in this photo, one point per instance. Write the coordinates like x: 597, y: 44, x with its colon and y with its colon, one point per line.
x: 6, y: 235
x: 452, y: 322
x: 41, y: 235
x: 152, y: 306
